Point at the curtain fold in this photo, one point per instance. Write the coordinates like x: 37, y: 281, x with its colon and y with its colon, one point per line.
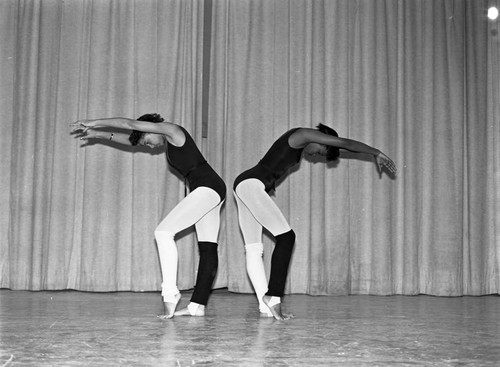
x: 417, y: 79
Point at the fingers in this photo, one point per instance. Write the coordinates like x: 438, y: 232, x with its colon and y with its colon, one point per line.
x: 76, y: 127
x: 380, y: 163
x: 384, y: 161
x: 82, y: 134
x: 80, y: 130
x: 391, y: 166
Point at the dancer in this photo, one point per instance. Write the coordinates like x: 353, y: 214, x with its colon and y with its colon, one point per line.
x: 256, y: 209
x: 201, y: 207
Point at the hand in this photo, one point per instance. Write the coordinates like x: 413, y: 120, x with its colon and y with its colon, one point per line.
x: 83, y: 129
x: 87, y: 134
x: 81, y: 126
x: 384, y: 161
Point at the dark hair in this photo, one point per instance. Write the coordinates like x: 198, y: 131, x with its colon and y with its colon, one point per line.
x: 136, y: 135
x: 332, y: 153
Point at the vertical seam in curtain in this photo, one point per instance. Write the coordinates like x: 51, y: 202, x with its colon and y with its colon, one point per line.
x: 135, y: 68
x: 495, y: 65
x: 451, y: 45
x: 54, y: 83
x: 420, y: 42
x: 289, y: 58
x: 351, y: 39
x: 79, y: 166
x: 206, y: 56
x: 273, y: 73
x: 226, y: 70
x: 465, y: 175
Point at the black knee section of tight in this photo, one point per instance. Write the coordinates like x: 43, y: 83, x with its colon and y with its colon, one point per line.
x: 207, y: 270
x: 279, y: 263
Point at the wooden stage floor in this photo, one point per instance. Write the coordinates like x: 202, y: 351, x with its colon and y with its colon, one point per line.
x: 121, y: 329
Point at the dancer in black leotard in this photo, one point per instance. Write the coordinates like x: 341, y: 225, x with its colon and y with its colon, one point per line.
x: 256, y: 209
x: 200, y: 208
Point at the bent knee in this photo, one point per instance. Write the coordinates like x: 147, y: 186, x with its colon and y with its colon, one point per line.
x: 162, y: 235
x: 287, y: 238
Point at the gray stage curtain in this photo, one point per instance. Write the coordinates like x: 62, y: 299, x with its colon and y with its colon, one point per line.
x: 417, y: 79
x: 78, y: 217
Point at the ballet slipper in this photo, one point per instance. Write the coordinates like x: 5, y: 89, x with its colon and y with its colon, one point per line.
x: 264, y: 311
x: 274, y: 305
x: 170, y: 304
x: 192, y: 309
x: 267, y: 314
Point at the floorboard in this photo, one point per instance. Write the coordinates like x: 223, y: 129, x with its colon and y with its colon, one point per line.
x: 72, y: 328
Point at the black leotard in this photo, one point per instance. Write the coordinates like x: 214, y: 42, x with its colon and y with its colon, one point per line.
x: 190, y: 163
x: 275, y: 163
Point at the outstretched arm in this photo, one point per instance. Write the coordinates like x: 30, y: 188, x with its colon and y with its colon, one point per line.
x: 165, y: 128
x: 116, y: 137
x: 172, y: 132
x: 381, y: 159
x: 111, y: 122
x: 306, y: 136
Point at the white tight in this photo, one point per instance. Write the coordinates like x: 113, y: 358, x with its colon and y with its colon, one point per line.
x: 256, y: 210
x: 200, y: 208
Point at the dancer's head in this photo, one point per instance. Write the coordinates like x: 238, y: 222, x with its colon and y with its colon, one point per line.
x: 332, y: 153
x: 148, y: 139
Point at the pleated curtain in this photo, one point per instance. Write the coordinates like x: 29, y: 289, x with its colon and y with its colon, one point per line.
x: 417, y: 79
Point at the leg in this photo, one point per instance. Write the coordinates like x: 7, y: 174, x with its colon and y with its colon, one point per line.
x: 207, y: 230
x: 188, y: 212
x: 280, y: 262
x: 254, y: 249
x: 279, y: 270
x: 167, y: 251
x: 263, y: 210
